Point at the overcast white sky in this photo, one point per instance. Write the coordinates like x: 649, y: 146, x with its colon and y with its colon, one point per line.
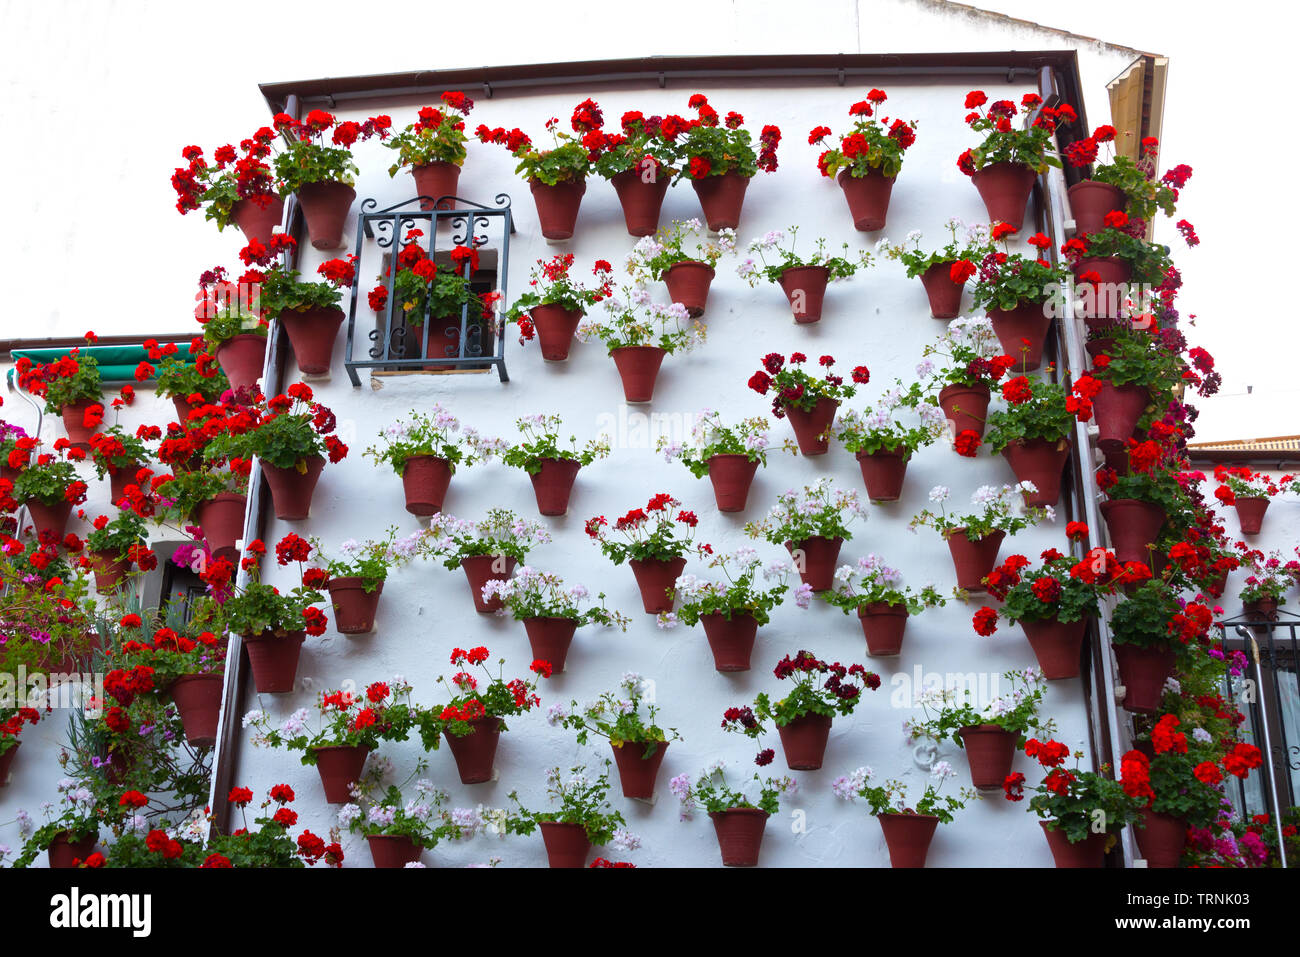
x: 99, y: 97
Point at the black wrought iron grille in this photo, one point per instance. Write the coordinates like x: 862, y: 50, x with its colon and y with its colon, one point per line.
x: 404, y: 343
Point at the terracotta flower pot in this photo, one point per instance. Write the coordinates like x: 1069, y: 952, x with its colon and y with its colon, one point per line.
x: 883, y: 472
x: 312, y: 333
x: 688, y: 283
x: 425, y: 479
x: 944, y: 294
x: 883, y: 625
x: 990, y: 751
x: 109, y: 571
x: 49, y: 517
x: 258, y: 221
x: 805, y: 288
x: 641, y: 201
x: 1090, y: 201
x: 804, y: 741
x: 340, y: 767
x: 65, y: 853
x: 638, y: 766
x: 222, y: 521
x: 721, y: 198
x: 1143, y: 672
x: 1090, y: 852
x: 291, y: 490
x: 730, y: 639
x: 391, y: 850
x: 198, y: 699
x: 7, y: 762
x: 973, y: 560
x: 119, y: 477
x: 566, y: 844
x: 638, y: 367
x: 436, y: 180
x: 1103, y: 302
x: 550, y: 639
x: 656, y: 577
x: 731, y: 476
x: 242, y: 358
x: 819, y: 555
x: 1029, y: 320
x: 868, y: 198
x: 555, y: 327
x: 1041, y: 462
x: 557, y: 206
x: 553, y: 485
x: 1056, y: 644
x: 354, y: 607
x: 740, y: 835
x: 325, y: 207
x: 1250, y: 513
x: 1005, y: 189
x: 1133, y: 526
x: 183, y: 408
x: 1116, y: 410
x: 274, y: 660
x: 74, y: 422
x: 480, y: 569
x: 1161, y: 841
x: 1262, y: 609
x: 811, y: 427
x: 476, y: 751
x: 908, y: 837
x: 965, y: 407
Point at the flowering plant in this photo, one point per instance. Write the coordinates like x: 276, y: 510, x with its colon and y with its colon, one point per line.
x: 1269, y: 578
x: 78, y: 814
x: 999, y: 510
x: 234, y: 176
x: 617, y: 716
x: 581, y: 801
x: 383, y: 713
x: 1182, y: 778
x: 68, y: 380
x: 501, y: 534
x: 643, y: 146
x: 891, y: 797
x: 652, y: 256
x: 1152, y: 478
x: 710, y: 149
x: 1136, y: 179
x: 876, y: 430
x: 425, y: 433
x: 961, y: 255
x: 174, y: 641
x: 1037, y: 409
x: 969, y: 356
x: 837, y: 267
x: 422, y: 287
x: 227, y: 309
x: 306, y: 159
x: 284, y: 431
x: 1006, y: 143
x: 651, y: 533
x: 1122, y: 238
x: 820, y: 510
x: 877, y: 584
x: 1006, y: 280
x: 552, y: 286
x: 11, y: 725
x: 839, y: 693
x: 370, y: 561
x: 437, y: 136
x: 278, y: 287
x: 1238, y: 481
x: 634, y: 320
x: 259, y: 609
x: 1060, y: 589
x: 711, y: 790
x: 115, y: 448
x: 874, y: 145
x: 1069, y: 800
x: 178, y: 495
x: 387, y: 812
x: 536, y: 594
x: 496, y: 699
x: 540, y: 442
x: 49, y: 481
x: 737, y: 595
x: 123, y: 536
x: 569, y: 160
x: 709, y: 437
x: 1016, y: 712
x: 12, y: 454
x: 1154, y: 616
x: 793, y: 387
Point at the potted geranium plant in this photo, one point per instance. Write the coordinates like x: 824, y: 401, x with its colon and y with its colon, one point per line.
x: 728, y: 455
x: 113, y: 546
x: 803, y: 717
x: 687, y: 273
x: 350, y: 726
x: 550, y: 612
x: 883, y: 604
x: 974, y: 539
x: 118, y: 454
x: 213, y: 498
x: 399, y: 828
x: 11, y: 726
x: 550, y: 465
x: 68, y: 836
x: 71, y: 388
x: 1122, y: 183
x: 234, y: 329
x: 557, y: 176
x: 719, y: 159
x: 969, y: 365
x: 1120, y: 262
x: 638, y: 334
x: 640, y: 162
x: 944, y: 272
x: 433, y: 148
x: 1152, y: 631
x: 803, y: 279
x: 812, y: 526
x: 474, y: 717
x: 555, y: 304
x: 49, y: 487
x: 867, y: 160
x: 738, y: 820
x: 487, y: 549
x: 908, y: 828
x: 809, y: 402
x: 425, y: 451
x: 1142, y: 503
x: 1033, y: 433
x: 1131, y: 372
x: 309, y: 311
x: 639, y: 744
x: 238, y: 186
x: 991, y: 735
x: 584, y: 818
x: 1004, y: 166
x: 1249, y: 493
x: 883, y: 445
x: 1265, y: 588
x: 1021, y: 295
x: 355, y: 576
x: 654, y: 541
x: 731, y: 610
x: 188, y: 384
